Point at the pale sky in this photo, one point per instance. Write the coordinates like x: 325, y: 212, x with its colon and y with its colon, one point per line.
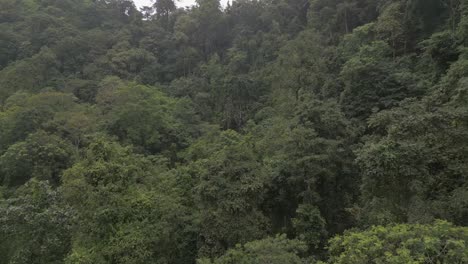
x: 180, y: 3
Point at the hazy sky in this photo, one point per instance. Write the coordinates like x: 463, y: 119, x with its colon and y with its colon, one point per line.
x: 140, y: 3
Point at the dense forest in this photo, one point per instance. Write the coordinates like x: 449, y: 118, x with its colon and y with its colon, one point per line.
x: 262, y: 132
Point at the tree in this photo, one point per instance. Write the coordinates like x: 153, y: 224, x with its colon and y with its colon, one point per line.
x: 271, y: 250
x: 309, y: 225
x: 128, y: 210
x: 230, y: 188
x: 26, y: 113
x: 309, y: 157
x: 391, y: 26
x: 373, y: 82
x: 210, y: 33
x: 128, y: 62
x: 176, y: 134
x: 414, y: 171
x: 338, y: 17
x: 32, y: 74
x: 40, y: 156
x: 302, y: 67
x: 440, y: 242
x: 145, y: 117
x: 164, y: 8
x: 8, y: 47
x: 35, y: 225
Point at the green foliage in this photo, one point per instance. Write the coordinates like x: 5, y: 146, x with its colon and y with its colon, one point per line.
x: 40, y: 156
x: 272, y: 250
x: 145, y: 117
x: 126, y: 62
x: 175, y: 134
x: 231, y: 186
x: 438, y: 243
x: 374, y: 82
x: 309, y: 225
x: 128, y: 210
x: 310, y: 161
x: 28, y: 75
x: 35, y: 225
x: 303, y: 66
x: 25, y: 114
x: 414, y: 172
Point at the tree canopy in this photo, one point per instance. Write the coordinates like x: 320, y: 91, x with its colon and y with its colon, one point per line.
x: 263, y: 131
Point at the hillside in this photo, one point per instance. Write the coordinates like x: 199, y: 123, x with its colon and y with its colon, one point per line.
x: 265, y: 132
